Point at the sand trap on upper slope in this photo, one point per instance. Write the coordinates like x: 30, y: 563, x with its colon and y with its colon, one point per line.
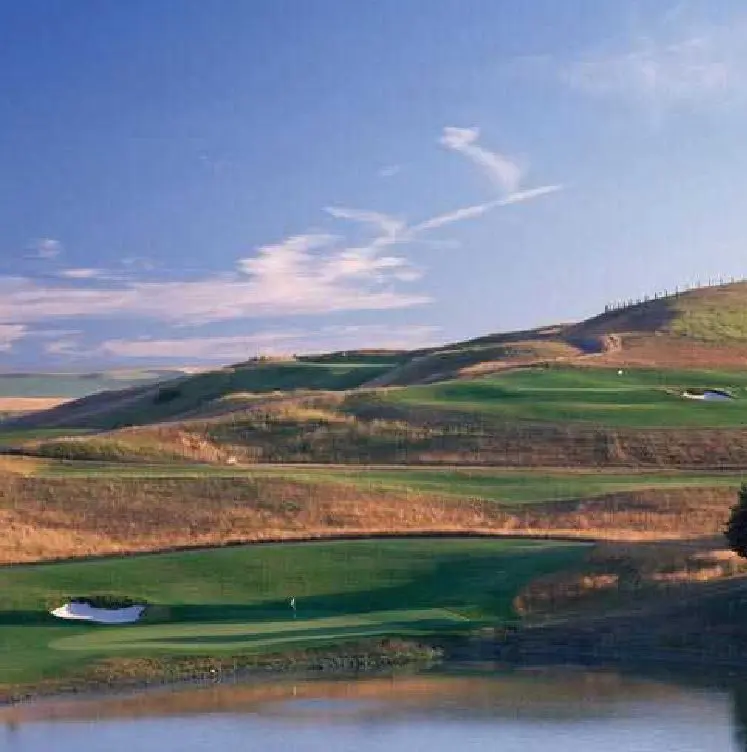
x: 708, y: 394
x: 84, y: 612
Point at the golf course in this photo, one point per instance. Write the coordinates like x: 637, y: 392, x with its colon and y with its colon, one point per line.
x: 369, y: 508
x: 237, y: 600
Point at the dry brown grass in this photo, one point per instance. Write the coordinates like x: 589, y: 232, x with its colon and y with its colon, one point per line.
x: 52, y: 518
x: 613, y: 573
x: 30, y: 404
x: 368, y: 429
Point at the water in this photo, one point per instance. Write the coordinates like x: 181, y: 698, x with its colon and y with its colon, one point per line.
x: 527, y: 711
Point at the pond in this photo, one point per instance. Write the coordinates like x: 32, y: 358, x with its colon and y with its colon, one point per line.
x: 527, y: 710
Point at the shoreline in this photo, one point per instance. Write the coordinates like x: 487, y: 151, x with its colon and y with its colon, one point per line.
x: 517, y: 649
x: 113, y: 676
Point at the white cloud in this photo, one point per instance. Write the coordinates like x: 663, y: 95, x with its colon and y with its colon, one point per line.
x: 221, y: 349
x: 45, y: 248
x: 389, y: 171
x: 681, y: 66
x: 477, y: 210
x: 502, y: 171
x: 83, y: 273
x: 10, y: 334
x: 305, y: 274
x: 389, y: 227
x: 69, y: 347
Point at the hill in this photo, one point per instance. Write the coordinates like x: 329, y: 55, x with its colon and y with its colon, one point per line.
x: 702, y: 328
x: 597, y: 431
x: 26, y: 392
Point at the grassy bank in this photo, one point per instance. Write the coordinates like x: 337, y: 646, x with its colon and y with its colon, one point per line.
x: 56, y: 511
x: 235, y: 602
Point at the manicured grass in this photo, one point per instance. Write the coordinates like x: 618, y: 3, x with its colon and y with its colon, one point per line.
x: 236, y: 600
x: 495, y: 484
x: 521, y: 486
x: 639, y: 398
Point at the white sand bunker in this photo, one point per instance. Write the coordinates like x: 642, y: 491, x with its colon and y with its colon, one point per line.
x: 707, y: 394
x: 79, y: 611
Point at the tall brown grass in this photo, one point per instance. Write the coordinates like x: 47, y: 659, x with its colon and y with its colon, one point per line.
x: 365, y: 429
x: 51, y: 518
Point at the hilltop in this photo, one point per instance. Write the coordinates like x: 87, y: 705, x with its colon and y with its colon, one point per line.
x: 705, y: 328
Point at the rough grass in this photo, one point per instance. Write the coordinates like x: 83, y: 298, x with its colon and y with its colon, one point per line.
x: 376, y: 427
x: 620, y: 574
x: 495, y: 484
x: 204, y: 393
x: 63, y: 517
x: 237, y: 600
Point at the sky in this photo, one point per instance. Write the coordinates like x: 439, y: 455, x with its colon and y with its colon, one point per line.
x: 188, y: 183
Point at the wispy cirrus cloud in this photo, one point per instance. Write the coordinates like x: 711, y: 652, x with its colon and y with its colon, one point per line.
x: 241, y: 347
x: 83, y: 273
x: 302, y: 275
x: 504, y: 173
x: 310, y: 273
x: 389, y: 171
x: 678, y: 63
x: 390, y: 228
x: 689, y: 72
x: 10, y: 334
x: 44, y: 248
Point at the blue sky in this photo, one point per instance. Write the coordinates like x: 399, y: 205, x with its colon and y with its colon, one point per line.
x: 188, y: 182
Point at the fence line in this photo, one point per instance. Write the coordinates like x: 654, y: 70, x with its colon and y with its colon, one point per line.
x: 621, y: 305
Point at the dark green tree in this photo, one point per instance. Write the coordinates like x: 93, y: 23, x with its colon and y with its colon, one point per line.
x: 736, y: 527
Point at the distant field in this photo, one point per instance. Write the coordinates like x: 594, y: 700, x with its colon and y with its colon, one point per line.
x: 236, y: 600
x: 639, y: 398
x: 75, y: 385
x: 11, y: 407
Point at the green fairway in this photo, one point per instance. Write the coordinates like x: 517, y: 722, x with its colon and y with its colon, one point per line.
x: 520, y: 486
x: 234, y: 601
x: 640, y: 398
x: 495, y: 484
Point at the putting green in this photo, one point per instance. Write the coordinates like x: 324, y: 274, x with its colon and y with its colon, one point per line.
x: 235, y: 601
x: 199, y: 638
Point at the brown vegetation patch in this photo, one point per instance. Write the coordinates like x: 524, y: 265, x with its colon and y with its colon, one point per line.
x: 53, y: 518
x: 614, y: 574
x: 30, y: 404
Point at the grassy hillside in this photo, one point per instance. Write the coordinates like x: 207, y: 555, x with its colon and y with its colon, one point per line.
x: 639, y: 398
x: 553, y: 416
x: 50, y: 510
x: 236, y: 601
x: 698, y: 329
x: 223, y: 390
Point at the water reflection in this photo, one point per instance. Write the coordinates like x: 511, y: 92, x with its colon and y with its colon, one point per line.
x: 569, y: 711
x: 739, y: 715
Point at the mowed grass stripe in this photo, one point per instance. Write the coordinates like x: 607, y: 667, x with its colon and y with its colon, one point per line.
x: 495, y: 484
x: 637, y: 398
x: 194, y: 637
x: 343, y: 589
